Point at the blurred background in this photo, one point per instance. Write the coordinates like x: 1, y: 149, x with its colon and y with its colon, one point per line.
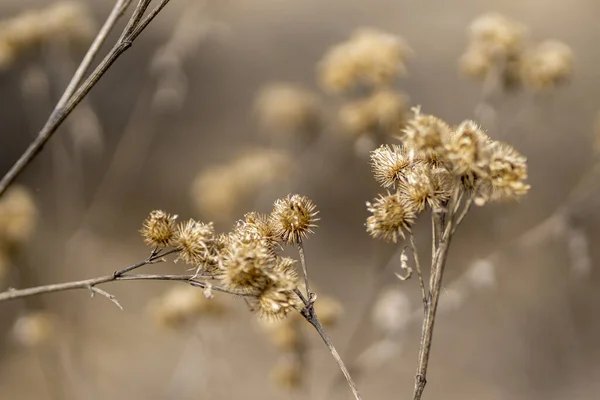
x: 221, y: 107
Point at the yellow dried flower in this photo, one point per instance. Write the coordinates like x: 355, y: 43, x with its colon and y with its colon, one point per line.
x: 18, y: 216
x: 293, y: 218
x: 159, y: 229
x: 370, y: 57
x: 246, y: 265
x: 425, y: 135
x: 505, y: 177
x: 287, y: 374
x: 392, y: 216
x: 500, y: 35
x: 181, y: 304
x: 389, y: 164
x: 195, y: 242
x: 468, y: 148
x: 35, y: 328
x: 288, y: 109
x: 383, y: 111
x: 276, y: 301
x: 548, y: 65
x: 259, y: 227
x: 423, y: 186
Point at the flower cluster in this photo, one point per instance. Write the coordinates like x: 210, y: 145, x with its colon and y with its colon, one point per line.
x: 434, y: 163
x: 245, y: 261
x: 370, y: 57
x: 498, y: 45
x: 66, y: 20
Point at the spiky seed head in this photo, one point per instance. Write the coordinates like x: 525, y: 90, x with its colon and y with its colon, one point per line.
x: 424, y: 186
x: 285, y: 273
x: 506, y: 173
x: 392, y: 216
x: 293, y: 218
x: 275, y: 302
x: 388, y: 164
x: 246, y: 265
x: 260, y: 227
x: 425, y: 135
x: 468, y: 148
x: 195, y: 242
x: 548, y: 65
x: 159, y: 229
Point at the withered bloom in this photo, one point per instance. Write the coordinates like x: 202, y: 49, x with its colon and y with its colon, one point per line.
x: 195, y: 241
x: 392, y: 216
x: 293, y: 218
x: 389, y: 164
x: 159, y: 229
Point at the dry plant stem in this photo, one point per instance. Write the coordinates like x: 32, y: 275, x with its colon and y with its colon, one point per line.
x: 438, y: 266
x: 308, y: 312
x: 116, y: 13
x: 310, y: 295
x: 419, y: 273
x: 119, y: 275
x: 133, y: 29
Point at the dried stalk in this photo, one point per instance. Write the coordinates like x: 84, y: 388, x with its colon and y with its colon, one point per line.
x: 120, y: 275
x: 136, y: 25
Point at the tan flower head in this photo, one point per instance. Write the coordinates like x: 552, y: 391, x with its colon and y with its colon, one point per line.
x: 275, y: 302
x: 285, y: 108
x: 293, y: 218
x: 195, y: 241
x: 247, y: 265
x: 423, y: 186
x: 392, y: 216
x: 500, y: 35
x: 468, y: 148
x: 425, y: 134
x: 548, y: 65
x: 384, y: 111
x: 507, y: 171
x: 159, y: 229
x: 370, y: 57
x: 389, y: 163
x: 259, y: 227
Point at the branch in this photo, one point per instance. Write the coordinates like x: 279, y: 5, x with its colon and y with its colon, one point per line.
x: 90, y: 284
x: 66, y: 105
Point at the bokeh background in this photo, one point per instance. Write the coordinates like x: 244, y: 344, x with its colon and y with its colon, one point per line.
x: 530, y: 332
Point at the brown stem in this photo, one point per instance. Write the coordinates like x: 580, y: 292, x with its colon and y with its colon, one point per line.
x: 133, y: 29
x: 305, y: 272
x: 418, y: 266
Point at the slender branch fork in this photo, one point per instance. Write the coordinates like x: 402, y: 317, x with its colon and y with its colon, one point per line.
x: 119, y: 275
x: 76, y: 91
x: 309, y: 314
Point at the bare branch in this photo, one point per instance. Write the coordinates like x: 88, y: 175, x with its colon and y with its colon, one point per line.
x: 135, y: 26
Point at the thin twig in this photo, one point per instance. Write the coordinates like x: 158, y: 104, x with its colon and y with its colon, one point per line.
x: 305, y: 272
x: 117, y: 12
x: 418, y: 265
x: 90, y: 284
x: 109, y: 296
x: 133, y: 29
x: 308, y: 312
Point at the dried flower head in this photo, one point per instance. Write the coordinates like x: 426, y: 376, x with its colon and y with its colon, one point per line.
x: 35, y: 329
x: 259, y: 227
x: 276, y: 301
x: 389, y: 164
x: 384, y: 111
x: 246, y: 265
x: 195, y: 242
x: 182, y: 304
x: 500, y: 35
x: 548, y: 65
x: 507, y: 171
x: 159, y: 229
x: 370, y: 57
x: 424, y: 186
x: 293, y: 218
x: 285, y: 109
x: 219, y: 189
x: 425, y: 135
x: 287, y: 374
x: 392, y: 216
x: 468, y: 148
x: 18, y: 215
